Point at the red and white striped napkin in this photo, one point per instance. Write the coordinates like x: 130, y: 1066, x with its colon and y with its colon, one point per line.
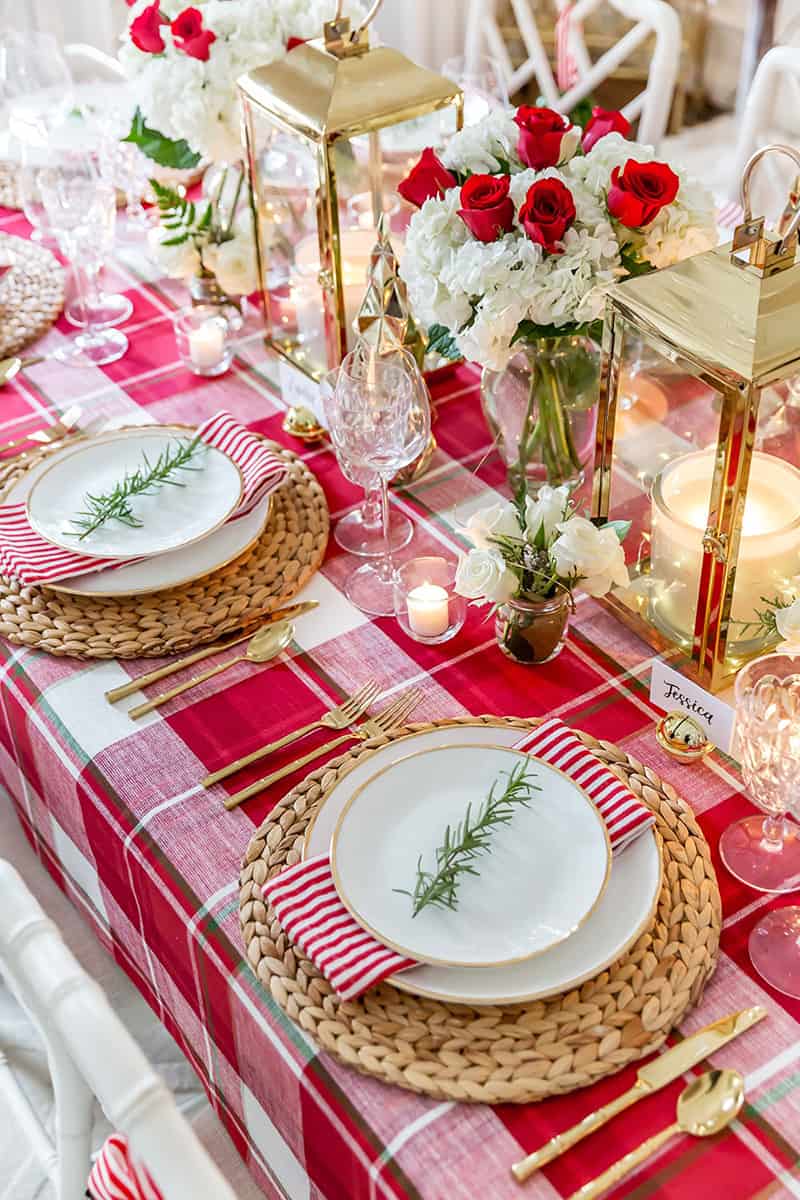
x: 305, y: 900
x: 27, y: 556
x: 117, y: 1176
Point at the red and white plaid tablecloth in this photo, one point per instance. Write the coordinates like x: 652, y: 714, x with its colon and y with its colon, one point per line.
x: 117, y: 816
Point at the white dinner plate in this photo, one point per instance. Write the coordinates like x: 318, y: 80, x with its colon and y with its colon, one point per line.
x: 542, y: 876
x: 171, y: 516
x: 165, y: 570
x: 625, y: 909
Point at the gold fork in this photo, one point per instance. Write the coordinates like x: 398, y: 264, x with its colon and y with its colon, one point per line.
x: 52, y: 433
x: 337, y: 718
x: 391, y: 718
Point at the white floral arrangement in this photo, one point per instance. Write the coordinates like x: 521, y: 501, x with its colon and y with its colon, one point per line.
x: 527, y: 218
x: 184, y: 62
x: 531, y: 550
x: 216, y: 236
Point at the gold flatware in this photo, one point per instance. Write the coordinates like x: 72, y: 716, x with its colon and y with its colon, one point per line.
x: 9, y: 367
x: 651, y: 1078
x: 391, y: 718
x: 62, y: 428
x: 337, y: 718
x: 237, y: 637
x: 264, y: 646
x: 705, y: 1107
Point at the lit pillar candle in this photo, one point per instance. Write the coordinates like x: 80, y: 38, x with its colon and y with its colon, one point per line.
x: 769, y: 549
x: 428, y: 610
x: 206, y: 345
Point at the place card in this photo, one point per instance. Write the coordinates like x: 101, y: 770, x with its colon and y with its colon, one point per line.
x: 672, y: 692
x: 299, y: 391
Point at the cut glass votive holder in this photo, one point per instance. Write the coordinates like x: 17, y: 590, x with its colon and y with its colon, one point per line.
x: 202, y: 337
x: 426, y: 604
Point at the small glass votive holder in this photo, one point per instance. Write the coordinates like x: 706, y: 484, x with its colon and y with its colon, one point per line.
x: 201, y: 334
x: 426, y: 604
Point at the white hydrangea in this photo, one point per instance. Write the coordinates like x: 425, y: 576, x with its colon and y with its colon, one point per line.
x: 183, y: 97
x: 482, y: 291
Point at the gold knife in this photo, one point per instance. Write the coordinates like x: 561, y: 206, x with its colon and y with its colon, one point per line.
x: 655, y: 1075
x: 280, y: 614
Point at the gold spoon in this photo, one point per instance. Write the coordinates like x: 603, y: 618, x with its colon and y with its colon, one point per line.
x: 266, y: 644
x: 705, y: 1107
x: 9, y: 367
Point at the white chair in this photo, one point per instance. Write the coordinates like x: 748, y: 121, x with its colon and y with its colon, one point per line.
x: 90, y: 1054
x: 775, y: 91
x: 651, y: 18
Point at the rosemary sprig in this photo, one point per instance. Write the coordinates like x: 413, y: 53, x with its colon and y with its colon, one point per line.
x: 144, y: 481
x: 470, y: 838
x: 765, y: 623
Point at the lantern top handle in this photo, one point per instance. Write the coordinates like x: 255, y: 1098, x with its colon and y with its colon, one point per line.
x: 338, y: 38
x: 766, y: 255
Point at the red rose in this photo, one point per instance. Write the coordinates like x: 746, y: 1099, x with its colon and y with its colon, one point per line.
x: 430, y: 177
x: 189, y: 35
x: 639, y: 192
x: 146, y: 30
x: 603, y: 121
x: 487, y: 210
x: 547, y: 213
x: 546, y: 138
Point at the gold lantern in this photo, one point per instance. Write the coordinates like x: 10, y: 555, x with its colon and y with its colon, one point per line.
x: 698, y: 444
x: 331, y: 129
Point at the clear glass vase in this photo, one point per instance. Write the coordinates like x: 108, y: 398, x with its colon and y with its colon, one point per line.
x: 542, y: 410
x: 533, y: 631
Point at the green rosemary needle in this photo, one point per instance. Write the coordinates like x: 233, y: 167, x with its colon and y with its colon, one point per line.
x: 144, y: 481
x: 455, y: 858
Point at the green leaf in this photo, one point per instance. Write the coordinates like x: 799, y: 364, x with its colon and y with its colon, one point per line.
x: 582, y: 112
x: 633, y: 264
x: 180, y: 239
x: 441, y: 341
x: 621, y: 528
x: 162, y: 150
x: 528, y: 331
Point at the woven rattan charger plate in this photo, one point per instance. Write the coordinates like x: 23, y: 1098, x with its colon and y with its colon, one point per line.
x: 519, y: 1053
x: 263, y: 578
x: 31, y: 294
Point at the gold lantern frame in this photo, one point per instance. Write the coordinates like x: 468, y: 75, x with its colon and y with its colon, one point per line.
x: 734, y: 321
x: 327, y: 91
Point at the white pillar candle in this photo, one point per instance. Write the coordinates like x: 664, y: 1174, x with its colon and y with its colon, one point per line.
x: 428, y: 610
x: 769, y: 549
x: 206, y: 345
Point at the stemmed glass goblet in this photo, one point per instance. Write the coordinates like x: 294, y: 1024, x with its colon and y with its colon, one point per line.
x: 765, y: 852
x: 379, y: 420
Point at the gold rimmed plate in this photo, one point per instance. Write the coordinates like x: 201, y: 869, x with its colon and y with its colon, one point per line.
x: 625, y: 910
x: 198, y: 501
x: 544, y: 874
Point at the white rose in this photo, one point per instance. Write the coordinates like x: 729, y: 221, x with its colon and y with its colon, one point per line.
x: 787, y: 622
x: 177, y: 262
x: 547, y: 511
x: 498, y: 520
x: 483, y: 575
x: 234, y: 264
x: 592, y: 556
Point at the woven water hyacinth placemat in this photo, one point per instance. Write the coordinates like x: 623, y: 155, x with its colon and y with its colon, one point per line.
x: 516, y: 1053
x: 263, y: 578
x: 31, y: 294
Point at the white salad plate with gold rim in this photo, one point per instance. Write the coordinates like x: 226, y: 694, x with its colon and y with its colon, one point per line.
x: 623, y: 913
x: 520, y: 901
x: 163, y: 571
x: 200, y: 499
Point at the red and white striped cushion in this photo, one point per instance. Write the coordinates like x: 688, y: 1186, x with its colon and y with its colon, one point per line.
x: 566, y: 67
x: 305, y: 900
x: 116, y: 1176
x: 26, y: 556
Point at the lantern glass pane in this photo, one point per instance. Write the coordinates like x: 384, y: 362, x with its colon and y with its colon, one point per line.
x: 286, y: 187
x: 768, y: 564
x: 666, y: 430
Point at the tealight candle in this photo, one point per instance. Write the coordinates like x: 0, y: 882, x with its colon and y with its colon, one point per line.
x: 769, y: 550
x: 428, y: 610
x: 206, y: 345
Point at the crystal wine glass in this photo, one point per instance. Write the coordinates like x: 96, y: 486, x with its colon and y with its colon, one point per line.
x: 78, y: 206
x: 379, y: 420
x: 360, y: 532
x: 764, y: 852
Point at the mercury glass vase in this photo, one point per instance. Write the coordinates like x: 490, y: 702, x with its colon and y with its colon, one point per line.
x: 542, y: 409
